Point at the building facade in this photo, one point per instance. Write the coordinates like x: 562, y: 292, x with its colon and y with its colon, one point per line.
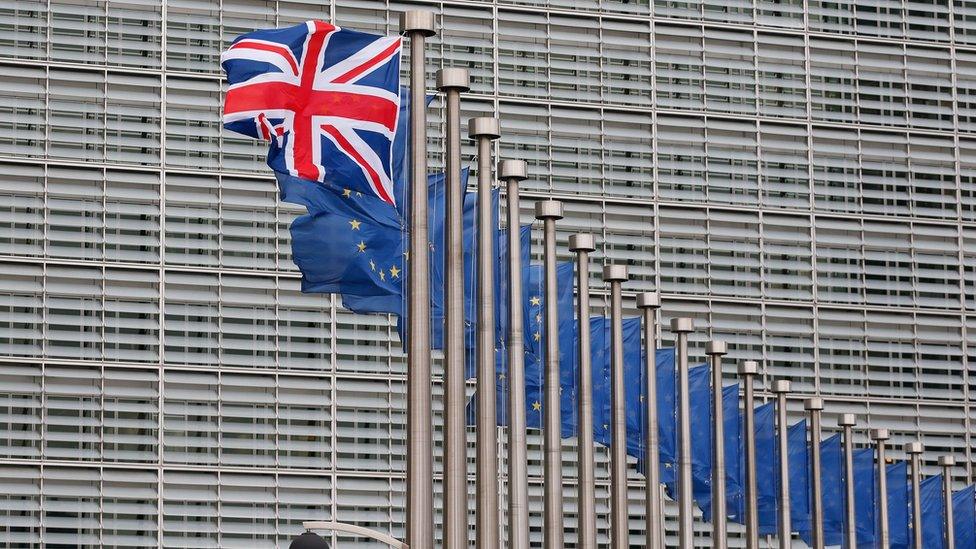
x: 797, y: 175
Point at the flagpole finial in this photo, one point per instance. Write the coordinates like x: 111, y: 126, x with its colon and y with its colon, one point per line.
x: 512, y: 169
x: 947, y: 461
x: 421, y: 21
x: 716, y: 347
x: 453, y: 78
x: 549, y: 209
x: 914, y: 448
x: 847, y: 420
x: 781, y: 386
x: 813, y: 403
x: 615, y: 273
x: 879, y: 434
x: 649, y: 300
x: 682, y: 325
x: 748, y: 368
x: 484, y: 126
x: 582, y: 242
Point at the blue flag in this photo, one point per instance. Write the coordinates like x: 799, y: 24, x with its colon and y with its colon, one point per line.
x: 865, y: 496
x: 700, y: 399
x: 766, y: 457
x: 964, y: 516
x: 799, y: 471
x: 832, y: 478
x: 733, y: 477
x: 734, y: 480
x: 933, y: 507
x: 899, y: 504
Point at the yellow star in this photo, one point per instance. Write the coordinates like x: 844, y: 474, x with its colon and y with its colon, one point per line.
x: 359, y: 194
x: 538, y: 318
x: 406, y: 256
x: 346, y: 193
x: 537, y: 336
x: 394, y: 272
x: 667, y: 465
x: 535, y: 301
x: 355, y: 224
x: 361, y: 246
x: 536, y: 406
x: 501, y: 377
x: 605, y: 426
x: 382, y: 276
x: 372, y: 265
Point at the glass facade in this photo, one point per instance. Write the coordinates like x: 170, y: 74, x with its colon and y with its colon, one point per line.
x: 798, y: 176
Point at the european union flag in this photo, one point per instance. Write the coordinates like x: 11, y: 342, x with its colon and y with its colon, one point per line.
x: 898, y: 504
x: 933, y: 507
x: 865, y: 496
x: 964, y: 516
x: 832, y: 478
x: 702, y: 445
x: 799, y: 471
x: 767, y: 485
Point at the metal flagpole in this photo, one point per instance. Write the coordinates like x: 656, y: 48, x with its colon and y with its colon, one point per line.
x: 417, y: 25
x: 484, y: 130
x: 780, y: 388
x: 615, y: 275
x: 879, y: 436
x: 583, y: 244
x: 549, y: 211
x: 513, y: 171
x: 715, y: 350
x: 914, y: 451
x: 686, y: 535
x: 649, y: 303
x: 748, y: 371
x: 947, y: 463
x: 847, y: 422
x: 815, y: 406
x: 453, y: 81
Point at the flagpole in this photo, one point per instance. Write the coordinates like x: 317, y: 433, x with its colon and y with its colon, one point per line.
x: 649, y: 303
x: 748, y: 371
x: 847, y: 422
x: 484, y: 130
x: 549, y: 211
x: 914, y: 451
x: 947, y: 463
x: 513, y: 171
x: 780, y: 388
x: 879, y: 436
x: 686, y: 534
x: 583, y: 244
x: 417, y: 25
x: 615, y: 275
x: 715, y: 350
x: 815, y: 406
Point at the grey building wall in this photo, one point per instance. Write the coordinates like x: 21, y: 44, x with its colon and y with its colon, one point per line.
x: 798, y: 176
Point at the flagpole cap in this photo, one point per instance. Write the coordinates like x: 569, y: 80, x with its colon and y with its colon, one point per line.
x: 548, y: 209
x: 682, y: 325
x: 914, y: 448
x: 813, y: 404
x: 748, y: 368
x: 484, y: 126
x: 419, y: 21
x: 846, y: 420
x: 649, y: 300
x: 512, y: 169
x: 453, y: 78
x: 782, y: 386
x: 582, y: 242
x: 716, y: 347
x: 947, y: 461
x: 879, y: 434
x: 615, y: 273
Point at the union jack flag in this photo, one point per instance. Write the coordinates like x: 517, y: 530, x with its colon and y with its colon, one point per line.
x: 326, y: 98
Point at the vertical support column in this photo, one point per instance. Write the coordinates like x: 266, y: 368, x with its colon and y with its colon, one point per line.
x: 914, y: 451
x: 880, y: 436
x: 715, y: 351
x: 453, y: 81
x: 781, y: 388
x: 549, y: 211
x: 947, y: 463
x: 748, y: 370
x: 649, y: 303
x: 814, y: 406
x: 484, y: 130
x: 681, y: 327
x: 847, y: 422
x: 583, y: 244
x: 417, y: 25
x: 512, y: 172
x: 615, y: 275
